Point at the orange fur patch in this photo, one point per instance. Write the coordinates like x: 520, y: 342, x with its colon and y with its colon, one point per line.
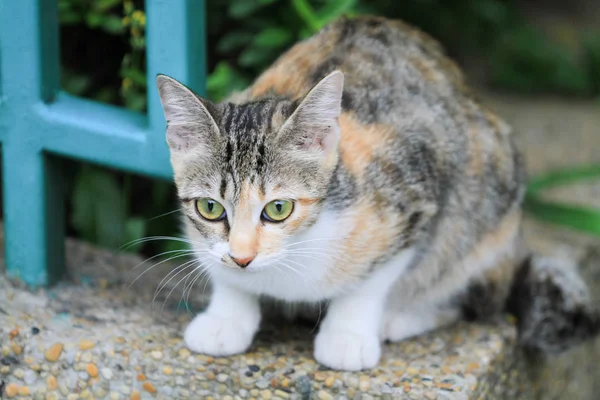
x: 288, y: 76
x: 359, y: 143
x: 369, y: 237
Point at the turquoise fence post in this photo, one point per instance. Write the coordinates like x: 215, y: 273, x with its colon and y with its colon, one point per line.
x: 33, y: 201
x: 175, y: 47
x: 39, y: 124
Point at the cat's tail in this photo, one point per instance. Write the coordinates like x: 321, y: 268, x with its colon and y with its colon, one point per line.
x: 553, y: 306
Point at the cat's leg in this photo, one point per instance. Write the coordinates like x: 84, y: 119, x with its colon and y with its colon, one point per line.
x: 348, y: 338
x: 402, y: 324
x: 227, y: 326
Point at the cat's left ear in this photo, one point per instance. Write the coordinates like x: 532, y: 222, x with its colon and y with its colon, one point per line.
x: 314, y: 125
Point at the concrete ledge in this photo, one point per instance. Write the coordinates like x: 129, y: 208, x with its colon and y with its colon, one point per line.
x: 101, y: 342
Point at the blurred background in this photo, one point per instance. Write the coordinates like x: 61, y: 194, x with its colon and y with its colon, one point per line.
x: 541, y: 48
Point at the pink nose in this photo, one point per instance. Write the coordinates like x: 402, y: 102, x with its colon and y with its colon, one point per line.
x: 242, y: 261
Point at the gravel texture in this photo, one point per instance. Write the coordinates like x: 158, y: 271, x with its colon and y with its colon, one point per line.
x: 101, y: 339
x: 93, y: 342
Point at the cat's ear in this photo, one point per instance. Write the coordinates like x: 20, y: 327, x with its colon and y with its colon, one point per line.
x: 190, y: 124
x: 314, y: 125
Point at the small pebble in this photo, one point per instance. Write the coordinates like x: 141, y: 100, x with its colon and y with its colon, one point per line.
x: 30, y: 377
x: 262, y: 384
x: 254, y: 368
x: 92, y: 370
x: 86, y: 394
x: 135, y: 395
x: 320, y: 376
x: 221, y: 378
x: 54, y: 352
x: 114, y: 396
x: 11, y: 390
x: 303, y: 385
x: 282, y: 394
x: 329, y: 382
x: 19, y: 373
x: 106, y: 373
x: 184, y: 353
x: 35, y: 330
x: 51, y: 383
x: 24, y: 391
x: 16, y: 348
x: 141, y: 377
x: 167, y: 370
x: 157, y: 355
x: 63, y: 390
x: 86, y: 345
x: 149, y: 387
x: 265, y: 394
x: 364, y: 383
x: 99, y: 393
x: 323, y: 395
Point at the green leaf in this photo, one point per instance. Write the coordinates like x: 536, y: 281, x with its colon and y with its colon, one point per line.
x: 233, y: 41
x: 112, y: 24
x: 75, y: 83
x: 135, y: 228
x: 105, y: 5
x: 136, y: 75
x: 252, y: 57
x: 305, y: 11
x: 94, y: 20
x: 243, y: 8
x: 273, y: 38
x: 223, y: 80
x: 580, y: 218
x: 98, y: 213
x: 334, y: 9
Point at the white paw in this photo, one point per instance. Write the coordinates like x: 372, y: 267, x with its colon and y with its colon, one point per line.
x: 347, y: 351
x: 215, y: 336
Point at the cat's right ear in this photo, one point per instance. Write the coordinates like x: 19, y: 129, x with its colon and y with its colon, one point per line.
x: 190, y: 125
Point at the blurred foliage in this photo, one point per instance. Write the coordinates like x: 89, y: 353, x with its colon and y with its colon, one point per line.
x: 103, y: 57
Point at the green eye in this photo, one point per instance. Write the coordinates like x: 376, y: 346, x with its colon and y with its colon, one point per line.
x: 277, y: 210
x: 210, y: 209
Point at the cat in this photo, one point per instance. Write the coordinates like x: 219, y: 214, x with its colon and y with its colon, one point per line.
x: 360, y: 170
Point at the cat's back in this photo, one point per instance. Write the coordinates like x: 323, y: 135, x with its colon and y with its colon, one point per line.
x: 386, y: 64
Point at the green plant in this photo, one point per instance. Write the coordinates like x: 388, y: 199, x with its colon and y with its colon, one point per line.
x: 579, y: 218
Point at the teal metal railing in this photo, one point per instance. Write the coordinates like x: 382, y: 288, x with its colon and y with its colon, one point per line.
x: 39, y: 124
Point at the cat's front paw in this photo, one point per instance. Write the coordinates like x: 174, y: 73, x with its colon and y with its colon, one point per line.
x: 215, y: 336
x: 347, y: 351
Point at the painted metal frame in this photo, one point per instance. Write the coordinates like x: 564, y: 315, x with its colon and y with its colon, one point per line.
x: 39, y: 124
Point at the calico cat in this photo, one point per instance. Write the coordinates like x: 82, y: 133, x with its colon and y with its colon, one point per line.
x: 360, y: 170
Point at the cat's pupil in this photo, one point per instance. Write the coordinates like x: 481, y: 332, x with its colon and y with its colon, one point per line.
x: 211, y: 205
x: 278, y: 206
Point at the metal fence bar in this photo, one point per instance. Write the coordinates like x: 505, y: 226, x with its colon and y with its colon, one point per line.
x: 38, y: 123
x: 175, y: 46
x: 33, y: 203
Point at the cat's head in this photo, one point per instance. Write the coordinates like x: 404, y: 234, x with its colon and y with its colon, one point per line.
x: 251, y: 176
